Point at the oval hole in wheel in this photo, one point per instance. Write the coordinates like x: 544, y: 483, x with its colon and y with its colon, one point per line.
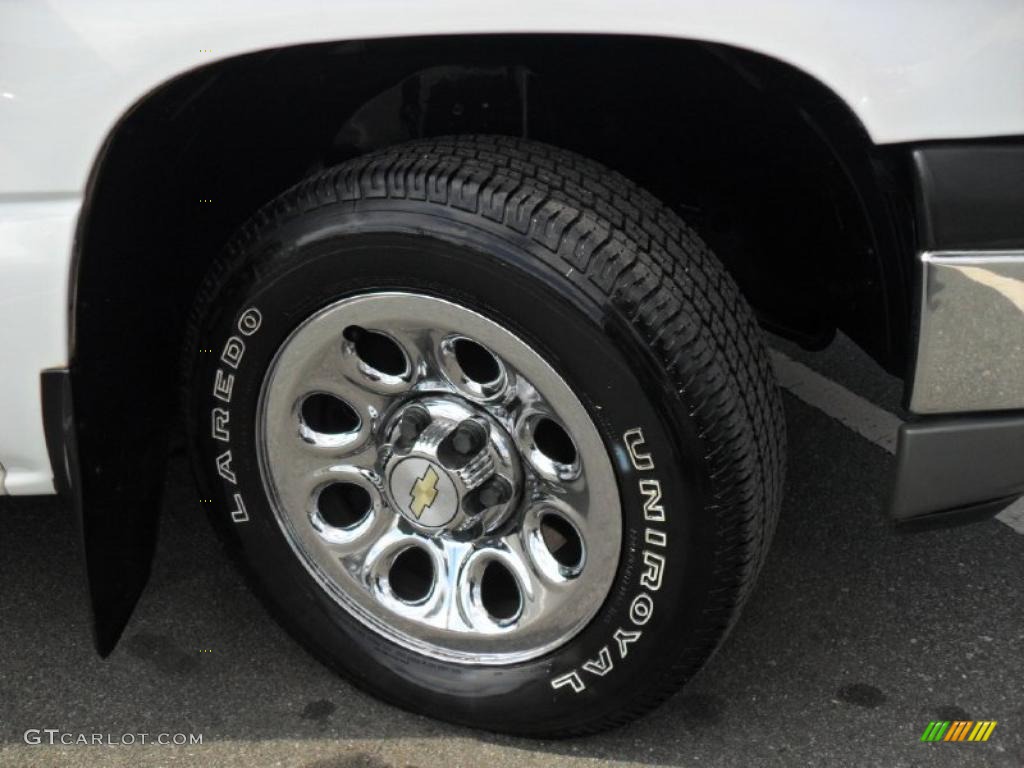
x: 562, y: 540
x: 412, y: 575
x: 554, y: 442
x: 378, y: 351
x: 328, y: 414
x: 499, y: 592
x: 343, y: 505
x: 476, y: 361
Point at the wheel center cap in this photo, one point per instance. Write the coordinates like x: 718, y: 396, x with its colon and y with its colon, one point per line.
x: 450, y: 468
x: 424, y: 492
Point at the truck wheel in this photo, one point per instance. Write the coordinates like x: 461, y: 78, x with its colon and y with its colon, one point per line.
x: 492, y: 432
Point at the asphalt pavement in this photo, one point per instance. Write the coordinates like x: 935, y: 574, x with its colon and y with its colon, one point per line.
x: 855, y: 639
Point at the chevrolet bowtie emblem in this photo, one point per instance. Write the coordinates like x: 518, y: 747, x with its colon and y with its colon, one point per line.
x: 423, y: 492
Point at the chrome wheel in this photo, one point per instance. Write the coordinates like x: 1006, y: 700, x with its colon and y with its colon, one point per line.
x: 438, y: 478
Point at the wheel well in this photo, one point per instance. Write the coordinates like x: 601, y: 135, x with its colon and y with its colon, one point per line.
x: 767, y: 164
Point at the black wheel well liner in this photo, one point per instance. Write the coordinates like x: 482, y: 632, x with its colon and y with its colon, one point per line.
x: 766, y: 163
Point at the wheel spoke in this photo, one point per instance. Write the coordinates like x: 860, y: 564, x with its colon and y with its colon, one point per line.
x: 371, y: 565
x: 343, y: 379
x: 452, y: 607
x: 532, y: 588
x: 570, y: 494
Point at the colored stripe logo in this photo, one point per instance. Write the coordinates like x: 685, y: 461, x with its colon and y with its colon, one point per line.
x: 958, y: 730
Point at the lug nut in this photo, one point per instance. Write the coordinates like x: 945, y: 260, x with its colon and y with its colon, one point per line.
x: 468, y: 438
x: 413, y: 422
x: 495, y: 491
x: 492, y: 493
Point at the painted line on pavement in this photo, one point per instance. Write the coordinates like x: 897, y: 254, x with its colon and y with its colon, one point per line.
x: 849, y: 409
x: 1013, y: 516
x: 854, y: 412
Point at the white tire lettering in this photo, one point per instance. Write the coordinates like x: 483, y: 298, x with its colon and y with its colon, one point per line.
x: 641, y: 610
x: 224, y: 467
x: 652, y: 573
x: 250, y: 321
x: 222, y: 385
x: 623, y: 637
x: 219, y: 418
x: 234, y: 349
x: 570, y: 678
x: 602, y: 665
x: 654, y: 568
x: 238, y: 514
x: 634, y: 439
x: 653, y: 511
x: 655, y: 537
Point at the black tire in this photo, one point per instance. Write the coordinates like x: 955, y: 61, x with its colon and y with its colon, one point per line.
x: 623, y: 300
